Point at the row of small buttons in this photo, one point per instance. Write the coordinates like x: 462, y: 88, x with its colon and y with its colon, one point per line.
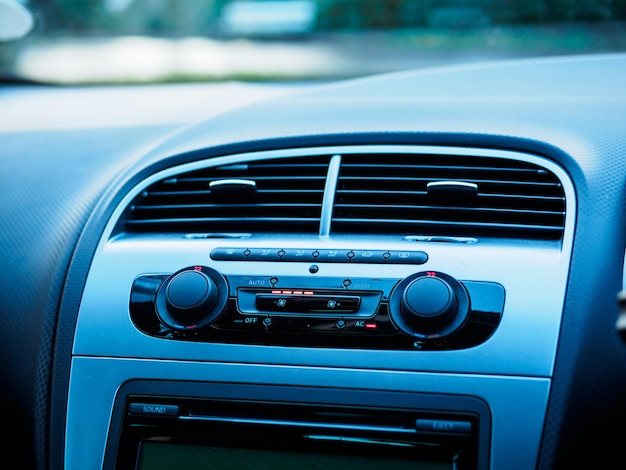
x: 295, y: 325
x: 308, y: 255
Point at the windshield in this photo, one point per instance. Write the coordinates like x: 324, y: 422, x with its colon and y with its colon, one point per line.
x: 157, y: 41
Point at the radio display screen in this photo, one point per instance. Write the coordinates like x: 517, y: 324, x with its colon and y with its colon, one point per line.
x: 168, y: 456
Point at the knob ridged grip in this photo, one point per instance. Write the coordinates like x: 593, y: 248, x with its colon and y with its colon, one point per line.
x: 429, y: 305
x: 191, y: 298
x: 189, y: 295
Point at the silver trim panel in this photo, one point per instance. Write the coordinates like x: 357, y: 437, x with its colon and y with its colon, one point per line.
x: 511, y: 371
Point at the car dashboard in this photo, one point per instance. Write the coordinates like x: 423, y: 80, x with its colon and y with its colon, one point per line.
x: 413, y: 268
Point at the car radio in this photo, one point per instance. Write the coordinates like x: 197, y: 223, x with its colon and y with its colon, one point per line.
x: 193, y: 425
x: 427, y: 310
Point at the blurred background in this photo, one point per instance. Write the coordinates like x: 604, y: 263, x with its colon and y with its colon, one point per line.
x: 160, y: 41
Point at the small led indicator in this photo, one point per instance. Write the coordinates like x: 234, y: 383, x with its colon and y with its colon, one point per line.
x: 308, y: 292
x: 371, y: 326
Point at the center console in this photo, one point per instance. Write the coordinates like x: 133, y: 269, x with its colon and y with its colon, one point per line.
x: 340, y: 306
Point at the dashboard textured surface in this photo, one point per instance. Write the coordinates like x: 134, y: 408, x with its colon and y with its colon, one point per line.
x: 50, y: 185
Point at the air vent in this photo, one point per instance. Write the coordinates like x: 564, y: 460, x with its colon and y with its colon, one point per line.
x: 281, y: 195
x: 447, y: 195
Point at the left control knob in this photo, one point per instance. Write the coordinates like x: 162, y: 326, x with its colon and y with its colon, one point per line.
x: 192, y: 298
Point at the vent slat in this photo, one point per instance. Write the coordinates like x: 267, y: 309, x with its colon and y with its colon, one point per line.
x: 382, y: 207
x: 217, y: 206
x: 219, y: 220
x: 398, y: 179
x: 208, y: 192
x: 256, y: 178
x: 424, y: 193
x: 452, y: 167
x: 434, y: 222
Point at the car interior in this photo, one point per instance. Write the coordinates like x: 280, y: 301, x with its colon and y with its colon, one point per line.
x: 419, y: 269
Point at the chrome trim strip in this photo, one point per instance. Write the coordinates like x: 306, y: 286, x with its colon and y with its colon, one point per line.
x: 329, y: 195
x: 309, y: 424
x: 234, y: 181
x: 435, y: 184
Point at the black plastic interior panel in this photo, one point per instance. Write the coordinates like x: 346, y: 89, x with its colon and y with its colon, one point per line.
x: 320, y: 424
x: 367, y: 325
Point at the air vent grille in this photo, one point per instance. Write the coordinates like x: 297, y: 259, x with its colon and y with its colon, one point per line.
x: 476, y: 196
x: 281, y: 195
x: 407, y: 193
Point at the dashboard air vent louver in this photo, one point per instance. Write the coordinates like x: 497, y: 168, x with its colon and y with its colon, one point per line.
x: 448, y: 196
x: 281, y: 195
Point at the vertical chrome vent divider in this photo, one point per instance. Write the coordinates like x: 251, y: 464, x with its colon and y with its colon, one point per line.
x: 329, y: 195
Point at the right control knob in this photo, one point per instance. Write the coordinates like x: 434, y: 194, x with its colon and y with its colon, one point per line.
x: 429, y: 305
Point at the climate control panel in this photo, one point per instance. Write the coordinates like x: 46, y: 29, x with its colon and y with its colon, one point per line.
x: 424, y: 311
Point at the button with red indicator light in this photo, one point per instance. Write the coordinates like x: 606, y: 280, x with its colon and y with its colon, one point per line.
x: 361, y: 326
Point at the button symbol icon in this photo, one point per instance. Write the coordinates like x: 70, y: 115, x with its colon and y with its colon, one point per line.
x: 331, y: 304
x: 281, y: 302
